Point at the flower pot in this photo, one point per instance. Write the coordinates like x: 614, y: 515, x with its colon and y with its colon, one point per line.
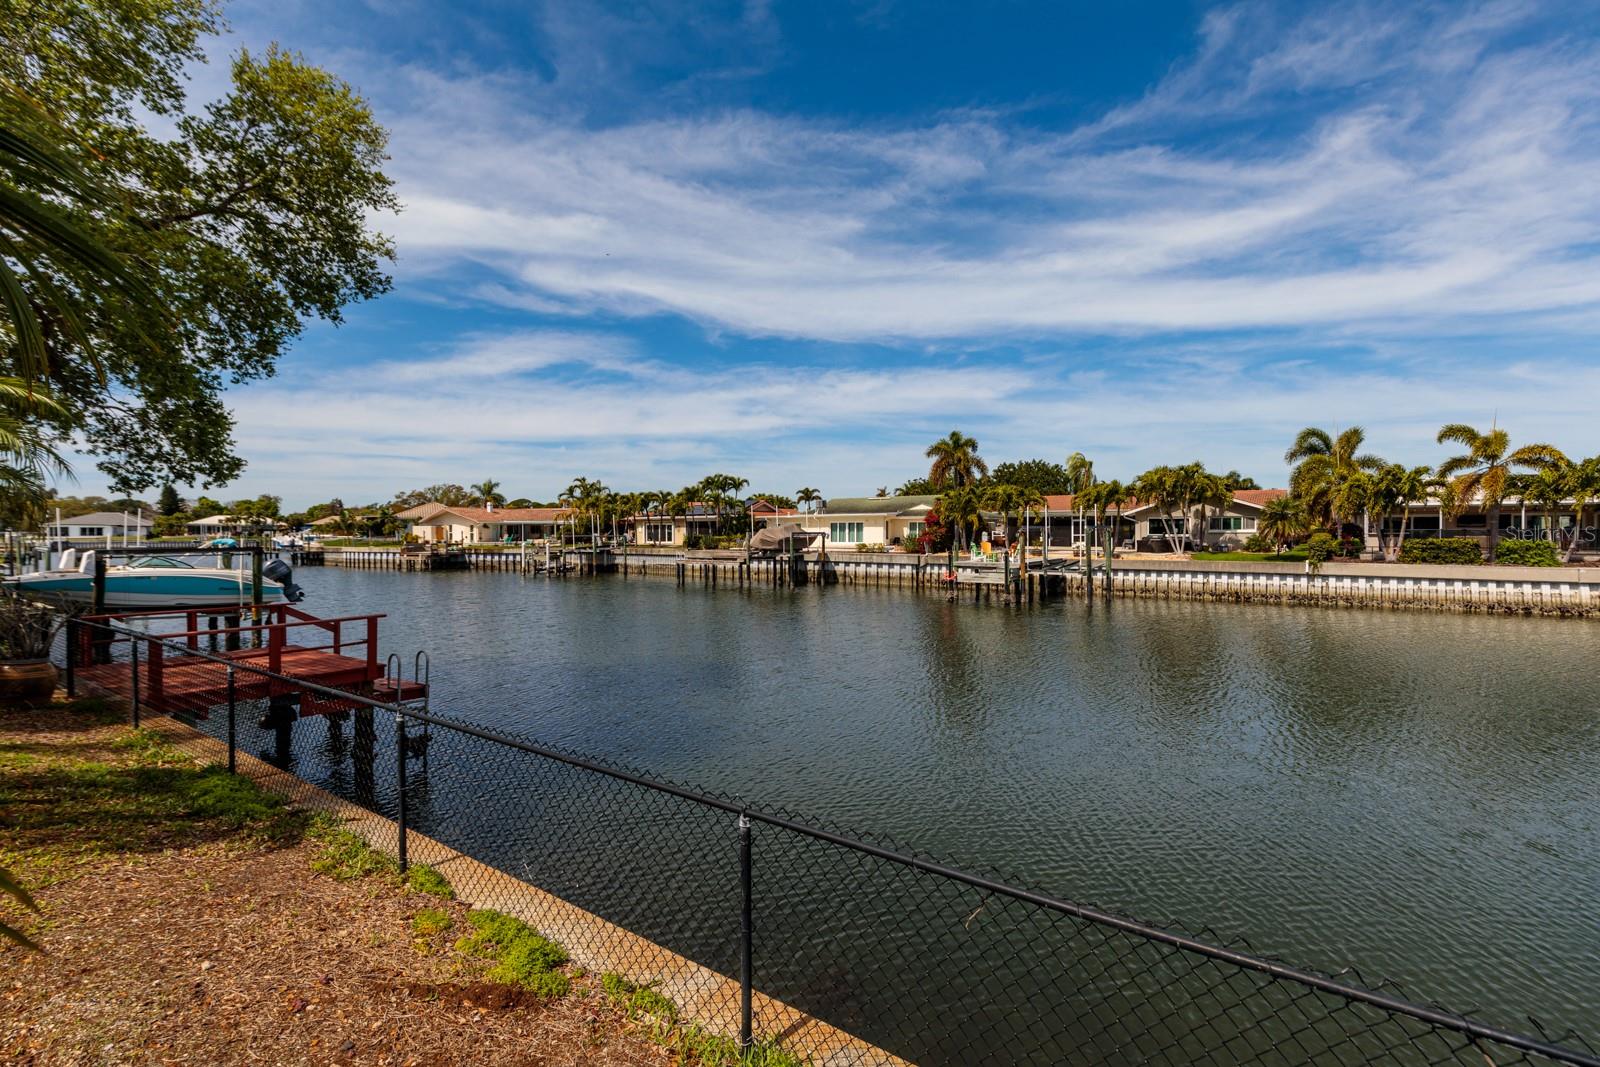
x: 30, y: 682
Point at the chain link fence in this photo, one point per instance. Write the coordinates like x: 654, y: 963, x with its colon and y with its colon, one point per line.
x: 767, y: 926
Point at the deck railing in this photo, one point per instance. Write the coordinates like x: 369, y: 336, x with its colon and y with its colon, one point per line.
x: 808, y: 924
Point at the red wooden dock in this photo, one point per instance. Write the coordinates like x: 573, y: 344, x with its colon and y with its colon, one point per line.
x: 178, y: 672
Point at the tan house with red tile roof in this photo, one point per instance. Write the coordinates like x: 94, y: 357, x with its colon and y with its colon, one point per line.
x: 442, y: 524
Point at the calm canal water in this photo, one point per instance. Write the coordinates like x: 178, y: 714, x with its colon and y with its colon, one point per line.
x: 1411, y: 794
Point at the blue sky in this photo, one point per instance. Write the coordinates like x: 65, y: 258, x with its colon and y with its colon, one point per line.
x: 798, y: 241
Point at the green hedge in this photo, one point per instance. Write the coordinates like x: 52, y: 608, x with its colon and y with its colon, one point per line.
x: 1459, y: 550
x: 1527, y: 553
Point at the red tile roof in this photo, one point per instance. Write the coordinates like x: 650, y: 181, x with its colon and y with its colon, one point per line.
x: 1254, y: 498
x: 488, y: 515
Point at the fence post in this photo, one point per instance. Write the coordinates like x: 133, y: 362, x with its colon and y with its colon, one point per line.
x: 233, y: 708
x: 133, y: 661
x: 400, y: 774
x: 72, y: 657
x: 745, y: 933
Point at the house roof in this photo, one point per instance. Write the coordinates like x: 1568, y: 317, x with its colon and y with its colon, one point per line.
x: 877, y: 505
x: 106, y: 518
x: 485, y: 516
x: 326, y: 520
x: 1250, y: 498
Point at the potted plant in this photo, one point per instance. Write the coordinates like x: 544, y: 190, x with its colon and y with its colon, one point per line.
x: 27, y: 632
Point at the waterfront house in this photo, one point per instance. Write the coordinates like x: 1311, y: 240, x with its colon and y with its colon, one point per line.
x: 867, y: 520
x: 655, y: 526
x: 101, y: 524
x: 1145, y: 526
x: 434, y: 523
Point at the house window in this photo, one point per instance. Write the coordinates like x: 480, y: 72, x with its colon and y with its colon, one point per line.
x: 915, y: 529
x: 657, y: 532
x: 1226, y: 523
x: 846, y: 532
x: 1167, y: 526
x: 91, y: 531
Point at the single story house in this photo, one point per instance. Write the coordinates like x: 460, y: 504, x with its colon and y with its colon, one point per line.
x: 655, y: 527
x: 101, y: 524
x: 867, y: 520
x: 441, y: 524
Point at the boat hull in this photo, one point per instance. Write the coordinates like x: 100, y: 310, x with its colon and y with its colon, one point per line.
x: 134, y: 590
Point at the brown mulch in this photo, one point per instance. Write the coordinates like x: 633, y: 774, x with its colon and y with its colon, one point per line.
x: 211, y: 949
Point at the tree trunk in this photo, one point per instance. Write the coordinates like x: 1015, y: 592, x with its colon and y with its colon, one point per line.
x: 1491, y: 518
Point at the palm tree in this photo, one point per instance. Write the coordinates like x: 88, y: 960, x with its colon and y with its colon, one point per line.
x: 27, y: 457
x: 1546, y: 489
x: 488, y: 493
x: 1011, y: 501
x: 1584, y: 486
x: 1080, y: 476
x: 1321, y: 462
x: 1102, y: 497
x: 1283, y: 521
x: 962, y: 508
x: 1398, y: 485
x: 1207, y: 491
x: 1483, y: 472
x: 808, y: 498
x: 956, y: 462
x: 1166, y: 488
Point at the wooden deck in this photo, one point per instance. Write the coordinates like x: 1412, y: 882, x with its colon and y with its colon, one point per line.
x: 175, y: 675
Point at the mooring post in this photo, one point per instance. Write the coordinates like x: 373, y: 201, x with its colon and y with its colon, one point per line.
x: 233, y: 729
x: 133, y: 662
x: 746, y: 934
x: 72, y: 656
x: 400, y: 777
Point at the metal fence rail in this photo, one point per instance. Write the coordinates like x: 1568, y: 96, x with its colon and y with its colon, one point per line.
x: 763, y: 923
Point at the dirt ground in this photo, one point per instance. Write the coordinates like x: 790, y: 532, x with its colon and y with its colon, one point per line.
x: 178, y: 931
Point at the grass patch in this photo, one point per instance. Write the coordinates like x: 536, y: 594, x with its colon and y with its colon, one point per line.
x: 690, y: 1044
x: 1253, y: 557
x: 637, y: 1000
x: 421, y: 878
x: 431, y: 921
x: 705, y: 1049
x: 522, y: 956
x: 343, y: 856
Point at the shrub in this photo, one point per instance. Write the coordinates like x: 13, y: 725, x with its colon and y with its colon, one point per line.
x: 1257, y: 542
x: 1321, y: 547
x: 1457, y: 550
x: 422, y: 878
x: 1527, y: 553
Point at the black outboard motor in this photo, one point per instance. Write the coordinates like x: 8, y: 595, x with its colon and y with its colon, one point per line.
x: 279, y: 571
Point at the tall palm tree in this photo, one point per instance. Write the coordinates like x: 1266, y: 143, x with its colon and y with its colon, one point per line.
x: 1283, y: 521
x: 1484, y: 470
x: 1321, y: 461
x: 1102, y: 497
x: 808, y: 498
x: 488, y: 493
x: 956, y: 462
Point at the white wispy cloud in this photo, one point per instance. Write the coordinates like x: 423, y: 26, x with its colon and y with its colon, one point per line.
x: 1437, y: 174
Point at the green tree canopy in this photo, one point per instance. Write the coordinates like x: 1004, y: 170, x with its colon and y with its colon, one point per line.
x: 246, y: 218
x: 1040, y: 475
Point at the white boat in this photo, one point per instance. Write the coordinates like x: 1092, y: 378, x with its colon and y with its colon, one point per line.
x: 150, y: 582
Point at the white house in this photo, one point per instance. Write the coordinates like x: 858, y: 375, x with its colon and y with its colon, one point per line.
x: 101, y: 524
x: 867, y: 520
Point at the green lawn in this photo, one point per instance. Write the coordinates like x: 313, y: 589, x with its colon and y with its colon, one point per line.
x: 1254, y: 557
